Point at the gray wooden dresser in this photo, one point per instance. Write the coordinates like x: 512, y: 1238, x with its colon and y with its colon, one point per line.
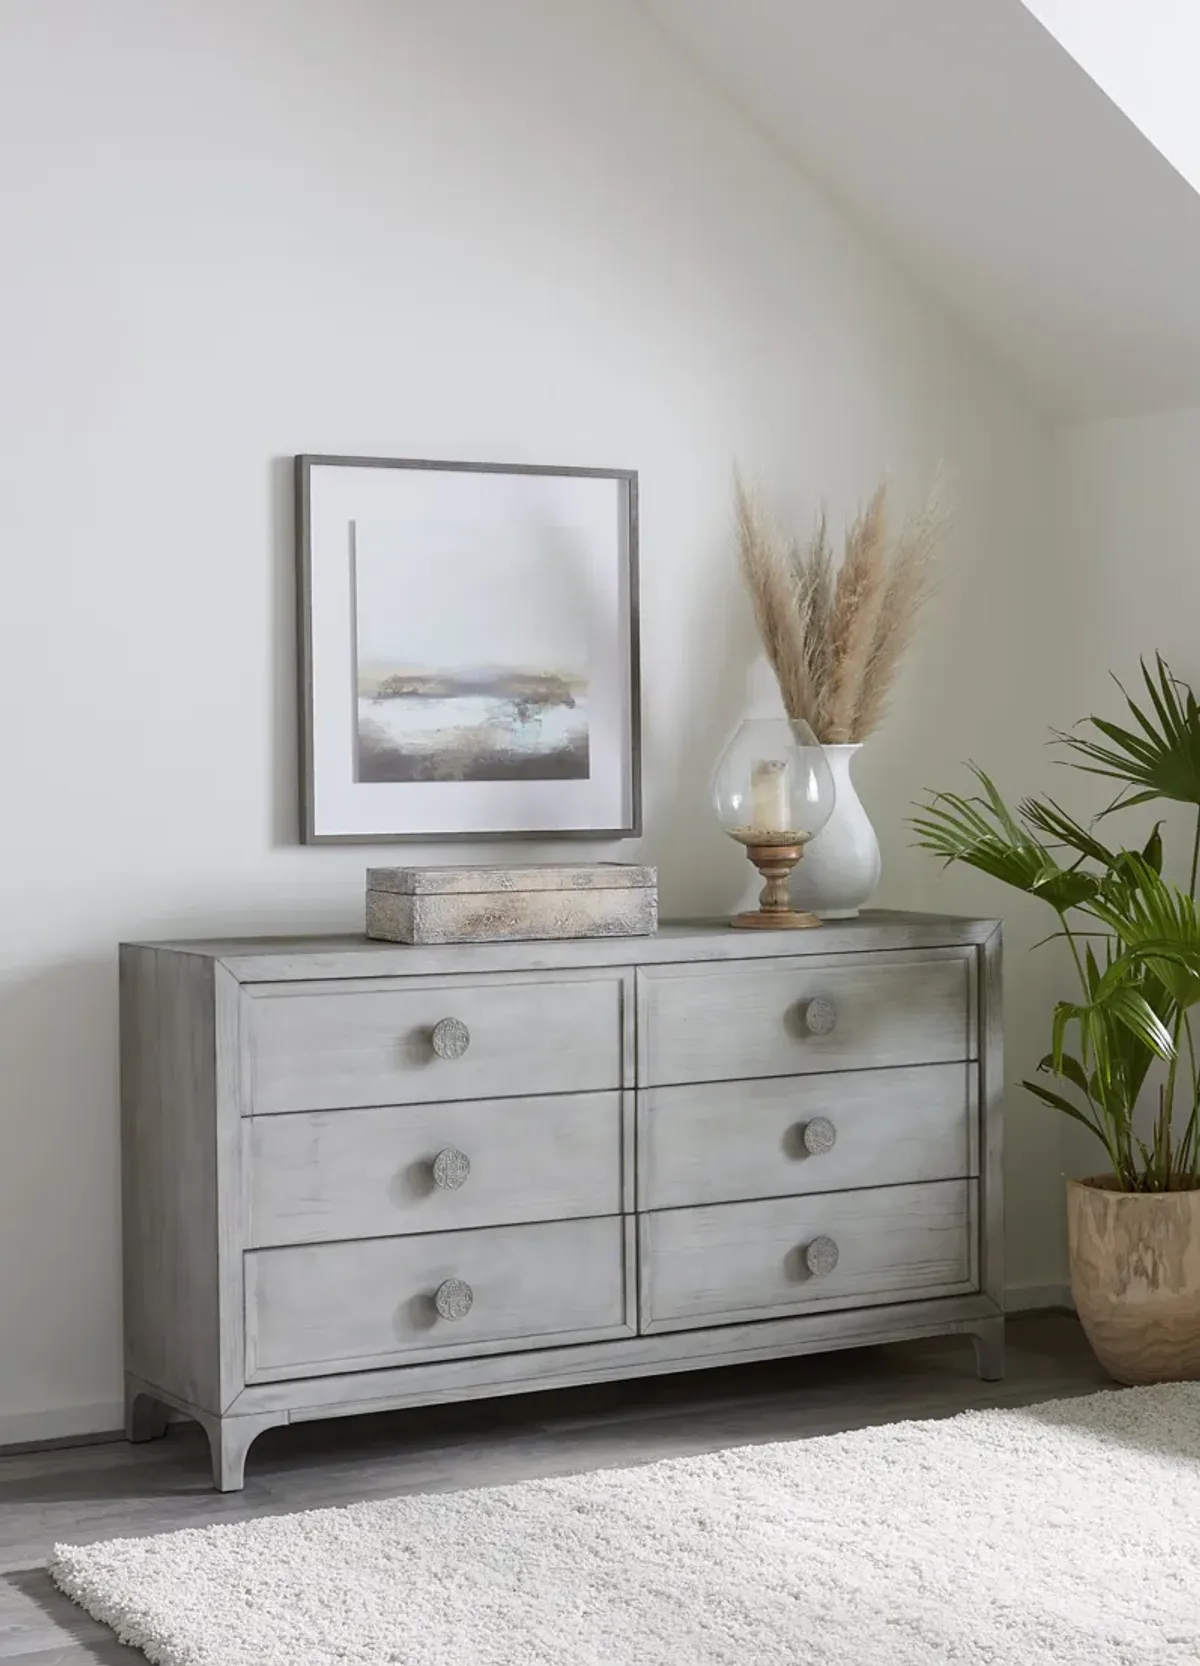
x: 361, y: 1175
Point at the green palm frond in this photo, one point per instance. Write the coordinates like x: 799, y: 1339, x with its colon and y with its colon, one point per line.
x: 1158, y: 925
x: 1062, y: 829
x: 1160, y: 758
x: 982, y: 832
x: 1058, y: 1102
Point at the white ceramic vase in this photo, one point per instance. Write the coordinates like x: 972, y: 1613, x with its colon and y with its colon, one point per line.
x: 841, y: 867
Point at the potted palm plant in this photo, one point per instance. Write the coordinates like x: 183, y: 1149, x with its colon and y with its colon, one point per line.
x: 1123, y: 1056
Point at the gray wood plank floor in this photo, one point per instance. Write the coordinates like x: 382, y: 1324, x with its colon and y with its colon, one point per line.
x: 110, y: 1489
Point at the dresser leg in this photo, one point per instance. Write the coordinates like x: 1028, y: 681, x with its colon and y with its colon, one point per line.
x: 229, y: 1440
x: 988, y: 1337
x: 145, y: 1417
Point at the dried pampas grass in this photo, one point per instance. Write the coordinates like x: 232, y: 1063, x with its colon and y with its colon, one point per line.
x: 835, y: 640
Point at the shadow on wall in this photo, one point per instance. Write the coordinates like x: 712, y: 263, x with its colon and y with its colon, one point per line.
x: 701, y: 870
x: 282, y: 766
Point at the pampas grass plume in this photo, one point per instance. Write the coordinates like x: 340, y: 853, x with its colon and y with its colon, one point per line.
x: 836, y: 640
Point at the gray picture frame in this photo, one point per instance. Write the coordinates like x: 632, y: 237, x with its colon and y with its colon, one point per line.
x: 304, y: 465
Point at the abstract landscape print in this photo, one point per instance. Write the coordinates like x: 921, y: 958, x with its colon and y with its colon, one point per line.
x: 472, y: 653
x: 468, y: 650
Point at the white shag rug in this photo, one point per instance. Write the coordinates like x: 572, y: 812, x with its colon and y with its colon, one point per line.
x: 1063, y: 1535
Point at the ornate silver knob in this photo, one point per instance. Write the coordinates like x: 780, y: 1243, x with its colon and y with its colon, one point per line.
x: 821, y: 1257
x: 820, y: 1016
x: 450, y: 1038
x: 450, y: 1169
x: 819, y: 1136
x: 453, y: 1298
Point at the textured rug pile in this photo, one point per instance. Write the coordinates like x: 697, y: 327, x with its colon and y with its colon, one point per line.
x: 1063, y: 1535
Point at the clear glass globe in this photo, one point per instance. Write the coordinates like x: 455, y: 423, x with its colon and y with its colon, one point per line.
x: 772, y: 784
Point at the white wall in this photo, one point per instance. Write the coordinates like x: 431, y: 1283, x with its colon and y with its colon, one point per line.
x: 1129, y: 501
x: 1128, y: 508
x: 518, y: 230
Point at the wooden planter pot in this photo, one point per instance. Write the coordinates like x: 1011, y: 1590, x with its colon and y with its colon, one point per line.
x: 1135, y: 1277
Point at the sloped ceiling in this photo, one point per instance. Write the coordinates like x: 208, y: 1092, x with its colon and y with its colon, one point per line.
x: 968, y: 142
x: 1144, y: 54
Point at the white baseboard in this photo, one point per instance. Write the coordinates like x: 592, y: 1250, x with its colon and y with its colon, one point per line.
x: 62, y: 1423
x: 1027, y: 1298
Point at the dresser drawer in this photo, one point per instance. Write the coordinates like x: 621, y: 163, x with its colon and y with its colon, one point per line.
x: 831, y: 1012
x: 324, y: 1308
x: 315, y: 1176
x: 717, y: 1142
x: 325, y: 1046
x: 739, y: 1261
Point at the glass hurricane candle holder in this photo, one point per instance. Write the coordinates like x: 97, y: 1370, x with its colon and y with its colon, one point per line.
x: 773, y: 791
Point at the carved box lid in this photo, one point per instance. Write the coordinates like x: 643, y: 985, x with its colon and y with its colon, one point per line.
x: 513, y: 876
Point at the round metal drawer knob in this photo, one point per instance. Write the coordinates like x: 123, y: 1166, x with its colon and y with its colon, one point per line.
x: 453, y: 1298
x: 821, y: 1257
x: 450, y: 1038
x: 820, y: 1016
x: 450, y: 1169
x: 819, y: 1136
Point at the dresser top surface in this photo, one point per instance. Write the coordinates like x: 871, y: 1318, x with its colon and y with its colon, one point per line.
x: 281, y: 959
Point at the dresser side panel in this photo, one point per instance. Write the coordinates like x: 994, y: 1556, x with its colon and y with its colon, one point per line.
x: 991, y: 1111
x: 169, y: 1174
x: 232, y: 1184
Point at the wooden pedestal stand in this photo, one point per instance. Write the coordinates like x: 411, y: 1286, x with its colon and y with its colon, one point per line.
x: 775, y: 913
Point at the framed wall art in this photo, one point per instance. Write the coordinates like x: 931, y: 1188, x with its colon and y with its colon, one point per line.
x: 468, y: 650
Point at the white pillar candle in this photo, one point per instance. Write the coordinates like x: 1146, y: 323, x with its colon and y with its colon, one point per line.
x: 770, y: 796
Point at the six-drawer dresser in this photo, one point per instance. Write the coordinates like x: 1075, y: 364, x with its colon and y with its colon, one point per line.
x: 359, y: 1176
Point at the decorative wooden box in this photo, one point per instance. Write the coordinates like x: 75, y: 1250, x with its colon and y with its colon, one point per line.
x: 511, y: 904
